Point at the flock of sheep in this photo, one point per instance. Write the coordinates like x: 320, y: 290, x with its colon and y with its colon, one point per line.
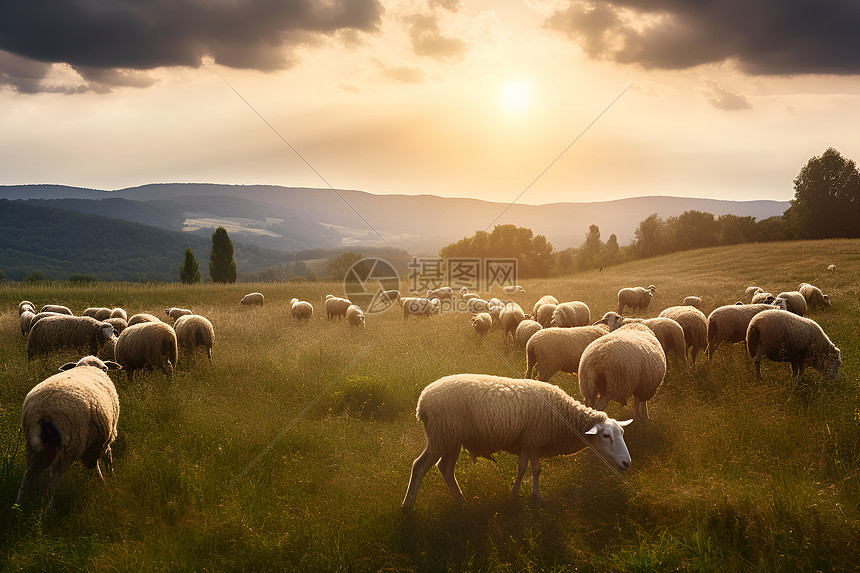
x: 73, y: 415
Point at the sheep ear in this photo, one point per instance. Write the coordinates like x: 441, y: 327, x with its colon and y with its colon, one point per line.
x: 111, y: 365
x: 68, y: 366
x: 593, y: 430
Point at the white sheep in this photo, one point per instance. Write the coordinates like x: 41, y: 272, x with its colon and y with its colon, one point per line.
x: 785, y: 337
x: 795, y: 302
x: 482, y: 322
x: 637, y: 298
x: 476, y: 305
x: 69, y: 416
x: 24, y: 305
x: 118, y: 313
x: 175, y: 312
x: 494, y: 308
x: 119, y: 324
x: 59, y: 309
x: 729, y: 323
x: 193, y: 330
x: 419, y: 306
x: 831, y: 268
x: 545, y: 299
x: 813, y: 295
x: 442, y: 293
x: 147, y: 345
x: 544, y: 314
x: 695, y: 325
x: 626, y: 362
x: 486, y: 414
x: 469, y: 296
x: 336, y: 306
x: 39, y: 316
x: 559, y: 349
x: 97, y: 312
x: 511, y: 317
x: 24, y: 320
x: 354, y: 315
x: 694, y: 301
x: 254, y: 298
x: 525, y: 330
x: 668, y: 332
x: 568, y: 314
x: 513, y: 289
x: 762, y: 297
x: 63, y: 331
x: 142, y: 317
x: 301, y: 309
x: 751, y: 291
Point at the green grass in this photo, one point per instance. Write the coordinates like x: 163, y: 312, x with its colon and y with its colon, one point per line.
x: 731, y: 474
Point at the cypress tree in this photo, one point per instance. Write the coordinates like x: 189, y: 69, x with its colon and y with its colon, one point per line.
x: 189, y: 273
x: 222, y: 266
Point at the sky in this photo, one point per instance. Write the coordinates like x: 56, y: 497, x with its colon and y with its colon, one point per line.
x: 538, y: 101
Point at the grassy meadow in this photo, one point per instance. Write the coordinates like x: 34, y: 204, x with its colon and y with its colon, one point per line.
x: 293, y: 449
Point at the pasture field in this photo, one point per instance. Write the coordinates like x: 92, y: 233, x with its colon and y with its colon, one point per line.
x: 292, y: 451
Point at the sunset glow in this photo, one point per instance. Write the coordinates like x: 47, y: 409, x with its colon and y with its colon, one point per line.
x: 516, y: 97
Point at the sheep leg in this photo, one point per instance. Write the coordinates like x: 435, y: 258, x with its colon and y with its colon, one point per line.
x: 524, y: 464
x: 640, y: 410
x: 535, y: 461
x: 420, y: 467
x: 446, y: 468
x: 757, y: 361
x: 57, y: 471
x: 109, y: 459
x: 37, y: 465
x: 99, y: 471
x: 601, y: 404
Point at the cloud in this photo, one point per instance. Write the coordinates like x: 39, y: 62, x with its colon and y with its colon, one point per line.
x: 721, y: 97
x: 427, y: 39
x: 114, y: 41
x: 764, y: 37
x: 406, y: 74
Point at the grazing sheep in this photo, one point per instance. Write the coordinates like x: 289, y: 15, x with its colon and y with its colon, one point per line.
x: 336, y: 307
x: 301, y: 309
x: 513, y: 289
x: 668, y: 332
x: 193, y: 330
x: 813, y: 295
x: 486, y: 414
x: 469, y: 296
x: 762, y: 297
x: 119, y: 313
x: 637, y: 298
x: 831, y: 268
x: 786, y: 337
x: 118, y: 324
x: 795, y: 302
x: 24, y: 320
x: 476, y: 305
x: 147, y: 345
x: 175, y: 312
x: 751, y: 291
x: 97, y: 312
x: 544, y: 314
x: 525, y: 330
x: 141, y: 318
x: 59, y: 309
x: 419, y: 306
x: 568, y: 314
x: 495, y: 310
x: 482, y: 322
x: 545, y: 299
x: 442, y: 293
x: 354, y: 315
x: 39, y: 316
x: 254, y: 298
x: 554, y: 349
x: 66, y: 417
x: 63, y: 331
x: 694, y: 301
x: 511, y: 317
x: 626, y: 362
x: 729, y: 323
x: 695, y: 325
x: 24, y: 304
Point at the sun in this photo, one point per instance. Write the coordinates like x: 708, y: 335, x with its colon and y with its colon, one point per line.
x: 515, y: 97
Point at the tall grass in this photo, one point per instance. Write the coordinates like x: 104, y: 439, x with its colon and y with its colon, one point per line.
x: 731, y: 474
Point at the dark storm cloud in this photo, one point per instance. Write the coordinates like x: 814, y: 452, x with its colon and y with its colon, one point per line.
x: 100, y: 38
x: 764, y: 37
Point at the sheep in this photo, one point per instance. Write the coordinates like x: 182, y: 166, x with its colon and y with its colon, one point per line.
x: 813, y: 295
x: 119, y: 313
x: 336, y: 307
x: 525, y: 330
x: 469, y: 296
x: 831, y: 268
x: 668, y: 332
x: 98, y: 312
x: 482, y: 322
x: 729, y: 323
x: 762, y: 297
x: 254, y: 298
x: 554, y: 349
x: 142, y: 317
x: 476, y: 305
x: 545, y: 299
x: 69, y: 416
x: 193, y: 330
x: 637, y: 298
x: 463, y: 290
x: 628, y: 361
x: 39, y: 316
x: 442, y: 293
x: 694, y: 301
x: 569, y: 314
x: 544, y: 314
x: 486, y: 414
x: 795, y: 302
x: 389, y: 296
x: 301, y: 309
x: 59, y: 309
x: 175, y: 312
x: 24, y: 320
x: 751, y: 291
x: 55, y: 332
x: 511, y: 317
x: 785, y: 337
x: 495, y: 307
x: 24, y: 304
x: 354, y: 315
x: 695, y: 325
x: 149, y: 345
x: 513, y: 289
x: 118, y: 323
x: 419, y: 306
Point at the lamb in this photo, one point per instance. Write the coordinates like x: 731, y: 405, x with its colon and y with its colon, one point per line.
x: 55, y: 332
x: 668, y: 332
x: 637, y: 298
x: 729, y: 323
x: 525, y: 330
x: 513, y: 289
x: 786, y: 337
x: 354, y: 315
x: 419, y: 306
x: 69, y: 416
x: 254, y: 298
x: 544, y: 314
x: 511, y: 317
x: 142, y: 317
x: 486, y: 414
x: 175, y: 312
x: 813, y: 295
x: 795, y: 302
x: 98, y: 313
x: 626, y: 362
x: 568, y: 314
x: 694, y: 301
x: 445, y: 293
x: 59, y: 309
x: 149, y: 345
x: 545, y: 299
x: 554, y: 349
x: 695, y: 325
x: 301, y: 309
x: 336, y: 307
x: 193, y: 330
x: 482, y: 322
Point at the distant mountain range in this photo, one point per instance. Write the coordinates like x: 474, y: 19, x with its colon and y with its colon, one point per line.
x: 301, y: 218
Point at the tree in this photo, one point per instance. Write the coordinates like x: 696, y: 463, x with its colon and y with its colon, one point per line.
x: 735, y: 229
x: 338, y: 266
x: 35, y: 276
x: 651, y: 237
x: 301, y: 268
x: 611, y: 251
x: 189, y: 273
x: 826, y: 198
x: 534, y: 254
x: 2, y: 276
x: 590, y: 251
x: 222, y: 266
x: 78, y: 278
x: 692, y: 230
x: 312, y: 277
